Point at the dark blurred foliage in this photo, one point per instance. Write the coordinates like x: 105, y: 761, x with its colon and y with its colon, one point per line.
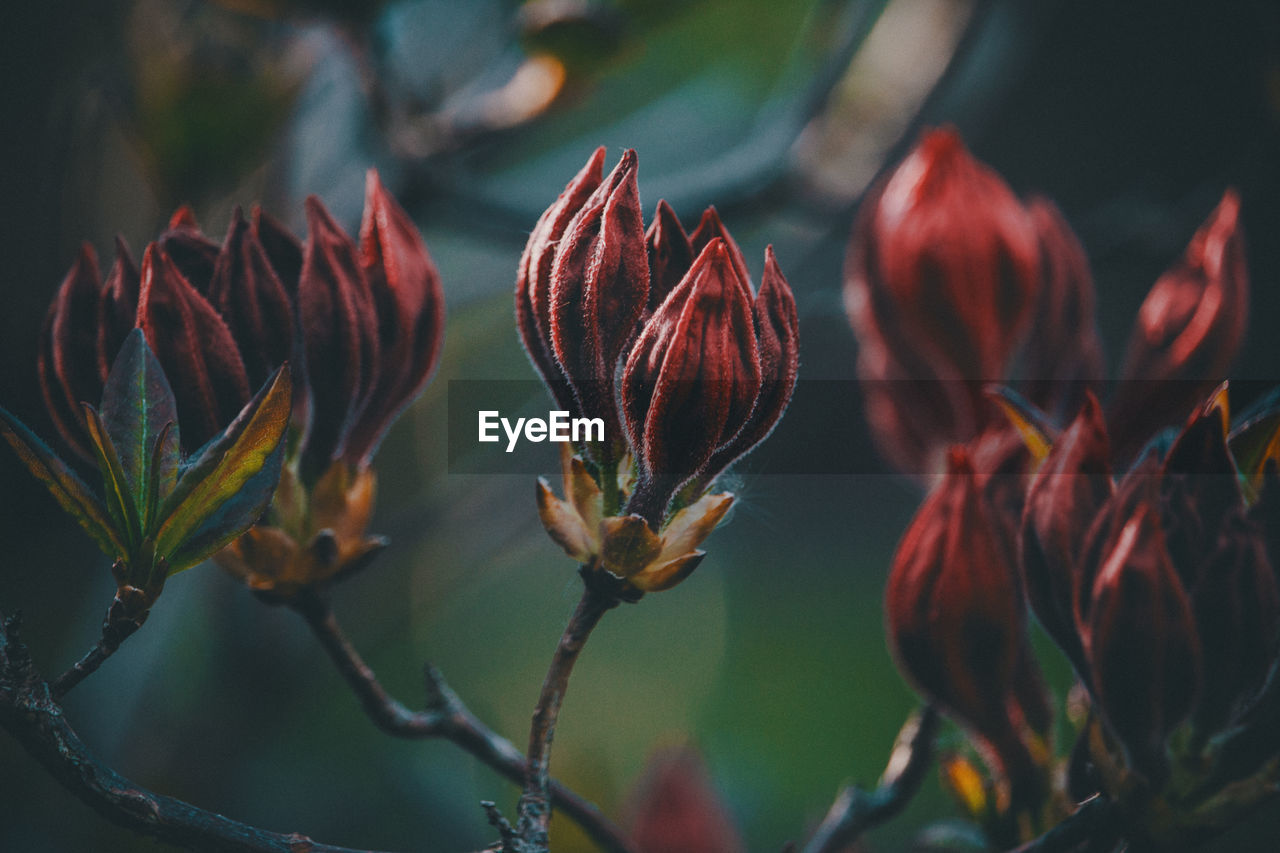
x: 1133, y: 117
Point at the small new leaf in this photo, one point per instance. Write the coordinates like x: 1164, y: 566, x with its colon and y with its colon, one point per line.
x: 120, y: 497
x: 137, y: 406
x: 196, y: 510
x: 67, y: 489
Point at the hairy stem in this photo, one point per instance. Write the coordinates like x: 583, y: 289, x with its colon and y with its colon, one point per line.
x: 534, y: 810
x: 857, y: 810
x: 445, y: 717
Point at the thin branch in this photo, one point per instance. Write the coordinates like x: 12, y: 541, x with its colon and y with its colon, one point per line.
x: 445, y: 717
x: 1095, y: 820
x: 856, y: 810
x: 126, y: 614
x: 29, y: 714
x: 534, y: 810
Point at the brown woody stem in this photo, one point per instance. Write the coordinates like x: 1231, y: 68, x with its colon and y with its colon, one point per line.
x: 534, y: 810
x: 126, y: 614
x: 856, y: 810
x: 29, y: 713
x: 445, y: 717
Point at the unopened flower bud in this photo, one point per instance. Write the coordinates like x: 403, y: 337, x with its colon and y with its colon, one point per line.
x: 195, y: 346
x: 68, y: 356
x: 340, y: 331
x: 599, y: 290
x: 693, y: 376
x: 955, y: 614
x: 409, y: 302
x: 1067, y: 493
x: 1062, y: 357
x: 941, y: 283
x: 1142, y: 641
x: 1187, y: 332
x: 675, y: 808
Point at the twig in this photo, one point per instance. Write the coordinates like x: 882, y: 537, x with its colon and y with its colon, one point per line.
x: 126, y: 614
x: 29, y: 714
x: 856, y: 810
x: 534, y: 810
x: 445, y: 717
x: 1093, y: 821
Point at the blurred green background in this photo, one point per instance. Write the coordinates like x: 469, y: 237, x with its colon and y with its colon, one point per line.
x: 770, y: 659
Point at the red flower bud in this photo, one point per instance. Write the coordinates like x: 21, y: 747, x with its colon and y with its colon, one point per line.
x: 340, y: 334
x: 955, y: 613
x: 118, y: 308
x: 778, y: 339
x: 409, y: 301
x: 676, y: 809
x: 1187, y: 332
x: 941, y: 284
x: 194, y: 254
x: 710, y: 227
x: 599, y: 290
x: 670, y: 254
x: 1063, y: 355
x: 68, y: 355
x: 1142, y: 641
x: 1237, y: 611
x: 195, y: 346
x: 693, y: 377
x: 533, y: 283
x: 251, y: 300
x: 1067, y: 493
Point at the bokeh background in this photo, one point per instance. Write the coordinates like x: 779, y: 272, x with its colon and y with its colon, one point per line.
x: 770, y: 659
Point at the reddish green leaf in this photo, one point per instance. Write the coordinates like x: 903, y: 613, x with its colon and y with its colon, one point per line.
x: 137, y: 406
x: 120, y: 500
x: 226, y: 466
x: 68, y: 490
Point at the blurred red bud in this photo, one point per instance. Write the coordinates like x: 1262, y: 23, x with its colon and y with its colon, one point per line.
x: 675, y: 808
x: 955, y: 614
x: 68, y: 356
x: 1187, y: 332
x: 1062, y: 358
x: 942, y: 279
x: 1068, y: 491
x: 1142, y: 641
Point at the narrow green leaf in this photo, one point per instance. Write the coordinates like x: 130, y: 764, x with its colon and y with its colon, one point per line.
x: 120, y: 500
x: 226, y: 465
x: 68, y: 490
x: 137, y: 405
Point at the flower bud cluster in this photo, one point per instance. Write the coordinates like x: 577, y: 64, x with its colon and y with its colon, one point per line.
x: 660, y: 334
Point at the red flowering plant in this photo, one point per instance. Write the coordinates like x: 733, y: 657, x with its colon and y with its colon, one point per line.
x: 1158, y: 588
x: 660, y: 335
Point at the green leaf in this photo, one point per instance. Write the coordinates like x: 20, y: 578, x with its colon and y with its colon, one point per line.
x: 227, y: 465
x: 68, y: 490
x: 137, y: 405
x: 233, y: 517
x: 120, y: 500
